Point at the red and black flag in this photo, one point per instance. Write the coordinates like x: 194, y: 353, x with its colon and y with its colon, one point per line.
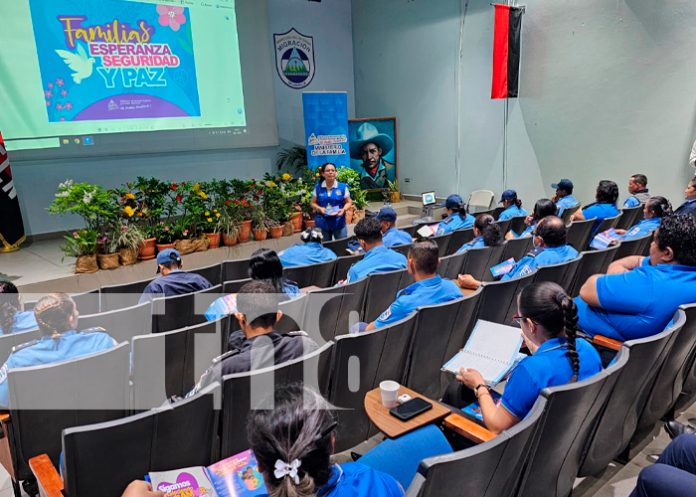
x: 506, y: 51
x: 11, y: 226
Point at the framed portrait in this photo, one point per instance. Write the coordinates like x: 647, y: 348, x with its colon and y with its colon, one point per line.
x: 373, y: 150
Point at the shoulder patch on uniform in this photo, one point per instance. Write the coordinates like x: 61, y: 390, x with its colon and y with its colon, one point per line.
x: 94, y: 329
x: 23, y: 346
x: 448, y: 220
x: 296, y: 333
x: 224, y: 356
x: 385, y: 315
x: 3, y: 373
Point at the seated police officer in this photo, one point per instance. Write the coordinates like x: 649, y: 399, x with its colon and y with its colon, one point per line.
x: 257, y: 313
x: 457, y: 217
x: 638, y: 188
x: 12, y: 318
x: 674, y: 473
x: 390, y: 235
x: 173, y: 281
x: 604, y: 206
x: 310, y: 251
x: 429, y: 288
x: 564, y: 198
x: 57, y: 316
x: 639, y: 295
x: 549, y: 248
x: 689, y: 206
x: 378, y: 258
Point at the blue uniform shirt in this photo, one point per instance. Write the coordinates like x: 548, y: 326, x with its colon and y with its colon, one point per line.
x: 393, y: 237
x: 477, y: 242
x: 227, y: 304
x: 644, y: 227
x: 379, y: 259
x: 454, y: 222
x: 539, y: 258
x: 548, y: 367
x: 23, y: 321
x: 510, y: 212
x: 631, y: 202
x: 177, y: 282
x: 335, y: 198
x: 47, y: 350
x: 638, y: 303
x: 302, y: 254
x: 434, y: 290
x: 599, y: 212
x: 566, y: 203
x: 688, y: 207
x: 357, y: 480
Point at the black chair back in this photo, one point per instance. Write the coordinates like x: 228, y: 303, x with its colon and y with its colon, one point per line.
x: 593, y: 262
x: 244, y: 392
x: 579, y: 233
x: 320, y: 274
x: 121, y: 324
x: 381, y: 292
x: 451, y: 265
x: 568, y: 213
x: 212, y: 273
x: 562, y: 273
x: 338, y: 246
x: 119, y: 296
x: 687, y: 394
x: 11, y: 340
x: 629, y: 217
x: 87, y: 302
x: 332, y: 311
x: 607, y: 222
x: 517, y: 248
x: 443, y: 243
x: 518, y: 224
x: 234, y: 269
x: 410, y: 229
x: 504, y: 226
x: 178, y: 436
x: 342, y: 265
x: 480, y: 260
x: 402, y: 249
x: 179, y: 311
x: 459, y: 238
x: 636, y: 246
x: 499, y: 299
x: 233, y: 286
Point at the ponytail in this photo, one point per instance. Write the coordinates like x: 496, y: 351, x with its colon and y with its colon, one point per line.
x: 490, y: 231
x: 659, y: 206
x: 461, y: 210
x: 570, y: 325
x: 518, y: 203
x: 9, y: 305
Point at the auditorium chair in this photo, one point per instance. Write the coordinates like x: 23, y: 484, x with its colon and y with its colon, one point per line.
x: 360, y: 362
x: 293, y: 314
x: 480, y: 200
x: 593, y: 262
x: 451, y: 265
x: 562, y: 273
x: 124, y: 295
x: 381, y: 292
x: 618, y: 422
x: 440, y: 331
x: 172, y: 313
x: 504, y: 226
x: 568, y: 213
x: 443, y: 243
x: 479, y: 262
x: 579, y: 234
x: 687, y: 375
x: 234, y: 269
x: 517, y: 224
x: 499, y: 299
x: 402, y: 249
x: 489, y: 469
x: 244, y: 392
x: 212, y: 273
x: 102, y: 459
x: 233, y: 286
x: 87, y: 302
x: 636, y: 246
x: 629, y: 217
x: 459, y: 238
x: 338, y: 246
x: 517, y: 248
x: 410, y: 229
x: 7, y: 342
x: 122, y: 324
x: 571, y: 414
x: 320, y: 274
x: 44, y: 400
x: 342, y: 266
x: 607, y: 223
x: 331, y: 311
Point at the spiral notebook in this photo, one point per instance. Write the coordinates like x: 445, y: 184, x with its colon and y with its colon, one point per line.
x: 492, y: 349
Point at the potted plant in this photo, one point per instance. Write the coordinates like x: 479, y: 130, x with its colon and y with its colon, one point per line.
x: 229, y: 221
x: 292, y: 158
x: 152, y: 202
x: 275, y: 228
x: 212, y: 227
x: 129, y: 238
x: 393, y: 189
x: 108, y: 258
x: 359, y: 197
x: 82, y: 244
x: 259, y: 224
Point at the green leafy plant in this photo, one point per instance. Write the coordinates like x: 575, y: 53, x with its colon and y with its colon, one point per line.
x: 80, y: 242
x: 259, y: 221
x: 292, y: 158
x: 128, y: 235
x: 97, y: 207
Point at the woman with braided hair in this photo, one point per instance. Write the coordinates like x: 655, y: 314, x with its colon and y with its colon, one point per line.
x: 12, y: 318
x: 56, y: 314
x: 548, y: 318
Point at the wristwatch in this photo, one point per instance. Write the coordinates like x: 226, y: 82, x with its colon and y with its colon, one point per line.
x: 476, y: 390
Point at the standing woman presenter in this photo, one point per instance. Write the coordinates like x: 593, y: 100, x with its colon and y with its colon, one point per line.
x: 330, y: 202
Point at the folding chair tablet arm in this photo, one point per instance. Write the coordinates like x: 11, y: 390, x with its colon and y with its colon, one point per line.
x: 606, y: 342
x: 467, y: 428
x: 49, y: 481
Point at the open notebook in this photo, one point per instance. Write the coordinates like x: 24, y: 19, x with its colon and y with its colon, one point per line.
x: 492, y: 349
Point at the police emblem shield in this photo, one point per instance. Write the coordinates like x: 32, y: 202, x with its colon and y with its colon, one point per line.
x: 294, y: 53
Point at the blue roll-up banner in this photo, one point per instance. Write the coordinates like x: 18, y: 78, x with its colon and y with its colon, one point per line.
x: 326, y: 128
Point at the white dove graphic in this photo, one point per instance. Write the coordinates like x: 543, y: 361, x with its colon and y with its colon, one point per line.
x: 78, y: 62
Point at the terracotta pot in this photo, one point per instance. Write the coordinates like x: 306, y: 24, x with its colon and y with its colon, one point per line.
x: 147, y: 249
x: 108, y: 261
x: 296, y: 220
x: 260, y: 234
x: 309, y: 223
x: 127, y: 256
x: 86, y: 264
x: 214, y: 240
x: 244, y: 231
x: 164, y: 246
x: 349, y: 216
x: 185, y: 246
x: 229, y: 240
x: 276, y: 232
x: 394, y: 197
x: 358, y: 215
x: 288, y: 229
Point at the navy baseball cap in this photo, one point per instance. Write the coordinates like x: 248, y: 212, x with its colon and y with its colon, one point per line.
x: 387, y: 214
x: 168, y: 255
x: 454, y: 201
x: 564, y: 184
x: 508, y: 195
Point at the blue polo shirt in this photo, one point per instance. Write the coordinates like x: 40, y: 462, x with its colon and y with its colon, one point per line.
x: 335, y: 198
x: 546, y: 256
x: 379, y: 259
x: 23, y: 321
x: 454, y: 222
x: 302, y: 254
x: 477, y: 242
x: 47, y: 350
x: 631, y: 202
x: 599, y: 212
x: 549, y: 366
x: 644, y: 227
x: 353, y: 479
x: 688, y: 207
x: 510, y: 212
x: 434, y: 290
x: 638, y: 303
x: 566, y: 203
x: 177, y: 282
x: 393, y: 237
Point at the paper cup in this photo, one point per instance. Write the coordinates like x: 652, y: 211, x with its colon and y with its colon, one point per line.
x: 390, y: 393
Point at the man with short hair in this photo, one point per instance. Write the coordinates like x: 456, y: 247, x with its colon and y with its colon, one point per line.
x: 430, y: 288
x: 689, y: 207
x: 638, y: 188
x: 173, y: 281
x: 378, y: 258
x: 639, y: 295
x: 564, y: 196
x: 550, y: 248
x: 390, y: 235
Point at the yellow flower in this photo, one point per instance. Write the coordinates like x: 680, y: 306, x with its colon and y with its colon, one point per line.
x: 130, y: 196
x: 317, y: 175
x: 286, y: 177
x: 203, y: 195
x: 210, y: 219
x: 129, y: 211
x: 271, y: 184
x: 207, y: 213
x: 217, y: 214
x: 196, y: 187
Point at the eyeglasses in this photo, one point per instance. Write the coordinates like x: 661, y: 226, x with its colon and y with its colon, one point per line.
x: 518, y: 319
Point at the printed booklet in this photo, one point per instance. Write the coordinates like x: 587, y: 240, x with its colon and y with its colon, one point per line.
x: 500, y: 270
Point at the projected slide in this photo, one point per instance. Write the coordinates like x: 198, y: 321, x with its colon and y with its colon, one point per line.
x: 86, y: 68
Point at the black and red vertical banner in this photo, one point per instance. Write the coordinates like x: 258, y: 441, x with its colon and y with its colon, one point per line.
x: 506, y: 51
x: 11, y: 225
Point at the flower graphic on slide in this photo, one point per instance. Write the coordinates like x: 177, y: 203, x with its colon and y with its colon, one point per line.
x: 171, y: 16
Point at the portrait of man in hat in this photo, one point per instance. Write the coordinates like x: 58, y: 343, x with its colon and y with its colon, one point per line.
x: 373, y: 152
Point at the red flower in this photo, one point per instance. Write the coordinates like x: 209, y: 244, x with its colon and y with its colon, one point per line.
x: 173, y: 186
x: 179, y: 198
x: 228, y: 202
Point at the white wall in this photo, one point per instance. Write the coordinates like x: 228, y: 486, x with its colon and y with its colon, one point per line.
x: 329, y: 22
x: 606, y: 91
